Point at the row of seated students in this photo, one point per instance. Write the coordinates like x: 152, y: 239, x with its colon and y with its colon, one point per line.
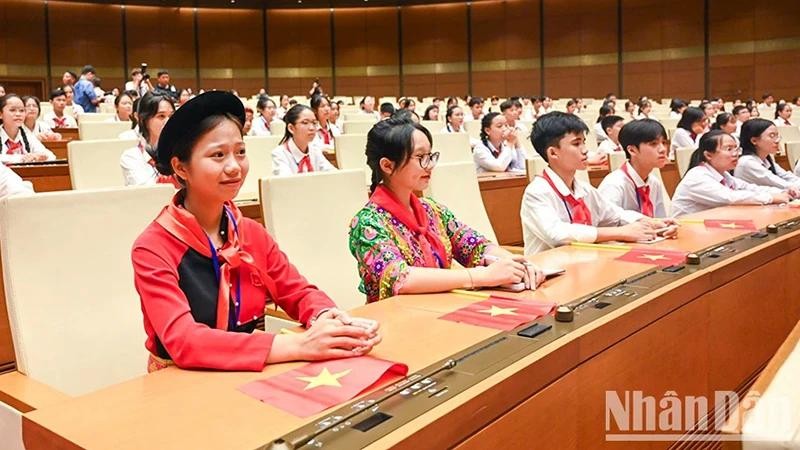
x: 204, y: 272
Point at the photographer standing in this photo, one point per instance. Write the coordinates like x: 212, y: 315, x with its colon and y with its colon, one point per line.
x: 163, y: 87
x: 140, y: 81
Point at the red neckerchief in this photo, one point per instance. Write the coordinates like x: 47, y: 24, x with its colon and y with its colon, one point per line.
x: 787, y: 122
x: 60, y: 122
x: 576, y: 208
x: 14, y: 148
x: 326, y: 135
x: 433, y: 252
x: 304, y: 166
x: 181, y: 224
x: 266, y: 124
x: 642, y: 194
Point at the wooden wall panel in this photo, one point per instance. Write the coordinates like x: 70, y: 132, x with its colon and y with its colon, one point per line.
x: 503, y: 36
x: 163, y: 37
x: 83, y: 34
x: 574, y: 29
x: 435, y: 50
x: 761, y: 55
x: 367, y: 60
x: 652, y: 25
x: 298, y: 39
x: 231, y: 60
x: 22, y: 40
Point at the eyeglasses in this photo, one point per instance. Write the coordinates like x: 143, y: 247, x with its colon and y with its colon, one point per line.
x: 428, y: 160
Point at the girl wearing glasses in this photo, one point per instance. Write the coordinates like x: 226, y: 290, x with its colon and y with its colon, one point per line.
x: 499, y: 149
x: 760, y: 140
x: 295, y: 153
x: 707, y: 184
x: 406, y: 245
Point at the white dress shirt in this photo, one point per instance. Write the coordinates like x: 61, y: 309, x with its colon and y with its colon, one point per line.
x: 287, y: 156
x: 319, y: 139
x: 620, y: 189
x: 259, y: 127
x: 133, y: 133
x: 34, y: 146
x: 702, y: 188
x: 509, y: 159
x: 12, y: 184
x: 608, y: 147
x: 546, y: 220
x: 50, y: 119
x: 136, y: 167
x: 675, y: 115
x: 39, y: 127
x: 753, y: 169
x: 600, y: 132
x: 780, y: 122
x: 681, y: 138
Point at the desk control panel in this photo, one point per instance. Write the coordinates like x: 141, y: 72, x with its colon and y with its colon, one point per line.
x: 373, y: 416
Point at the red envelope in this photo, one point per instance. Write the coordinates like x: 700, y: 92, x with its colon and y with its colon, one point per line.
x: 662, y: 258
x: 318, y: 386
x: 740, y: 225
x: 499, y: 313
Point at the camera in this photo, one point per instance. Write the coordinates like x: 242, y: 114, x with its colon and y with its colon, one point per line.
x: 145, y: 75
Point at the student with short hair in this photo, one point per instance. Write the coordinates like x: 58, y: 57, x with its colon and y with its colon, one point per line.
x: 558, y: 209
x: 33, y: 124
x: 760, y: 139
x: 707, y: 184
x: 475, y: 112
x: 676, y: 108
x: 783, y: 112
x: 17, y: 145
x: 612, y: 126
x: 387, y: 110
x: 326, y: 130
x: 406, y: 245
x: 742, y: 114
x: 512, y: 109
x: 690, y: 128
x: 123, y: 105
x: 499, y: 149
x: 56, y: 118
x: 139, y: 163
x: 633, y: 187
x: 295, y: 153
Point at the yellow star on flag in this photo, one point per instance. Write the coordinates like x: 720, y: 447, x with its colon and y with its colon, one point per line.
x: 653, y: 257
x: 729, y: 225
x: 498, y: 311
x: 325, y: 378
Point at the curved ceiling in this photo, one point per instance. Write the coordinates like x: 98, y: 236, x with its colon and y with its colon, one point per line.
x: 269, y: 4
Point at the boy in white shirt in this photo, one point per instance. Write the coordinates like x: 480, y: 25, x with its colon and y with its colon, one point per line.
x: 558, y: 209
x: 611, y: 125
x: 56, y: 118
x: 632, y: 187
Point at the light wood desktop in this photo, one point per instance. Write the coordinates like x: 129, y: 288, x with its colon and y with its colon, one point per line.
x: 710, y: 330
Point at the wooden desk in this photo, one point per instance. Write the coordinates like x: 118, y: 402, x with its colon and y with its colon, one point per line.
x: 67, y: 134
x: 45, y: 177
x: 57, y: 147
x: 502, y: 198
x: 707, y: 331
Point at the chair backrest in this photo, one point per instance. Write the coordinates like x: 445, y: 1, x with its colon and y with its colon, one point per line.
x: 97, y: 117
x: 455, y: 185
x: 259, y: 154
x: 535, y: 167
x: 616, y: 160
x: 453, y: 147
x: 75, y: 316
x: 788, y: 134
x: 330, y: 201
x: 360, y: 117
x: 434, y: 126
x: 683, y: 156
x: 793, y: 153
x: 473, y: 128
x: 107, y: 108
x: 358, y: 127
x: 95, y: 164
x: 89, y: 131
x: 350, y: 154
x: 277, y: 128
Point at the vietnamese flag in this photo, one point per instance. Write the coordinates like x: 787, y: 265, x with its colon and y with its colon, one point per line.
x: 317, y: 386
x: 662, y: 258
x: 741, y: 225
x: 500, y: 313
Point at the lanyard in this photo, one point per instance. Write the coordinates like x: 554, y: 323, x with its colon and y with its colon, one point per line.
x: 237, y: 301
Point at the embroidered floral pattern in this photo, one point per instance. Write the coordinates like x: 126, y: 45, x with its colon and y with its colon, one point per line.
x: 384, y: 248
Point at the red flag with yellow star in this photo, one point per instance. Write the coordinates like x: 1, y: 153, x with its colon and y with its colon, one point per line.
x: 662, y: 258
x: 735, y: 225
x: 499, y: 313
x: 317, y: 386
